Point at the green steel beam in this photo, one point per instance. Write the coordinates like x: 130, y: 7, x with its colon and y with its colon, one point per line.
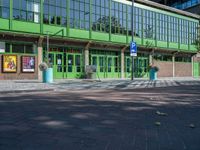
x: 68, y: 17
x: 41, y: 16
x: 11, y: 14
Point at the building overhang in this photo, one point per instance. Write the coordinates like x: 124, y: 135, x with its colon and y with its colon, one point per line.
x: 167, y: 8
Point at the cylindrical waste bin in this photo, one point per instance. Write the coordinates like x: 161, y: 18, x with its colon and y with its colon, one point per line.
x: 48, y: 75
x: 153, y: 74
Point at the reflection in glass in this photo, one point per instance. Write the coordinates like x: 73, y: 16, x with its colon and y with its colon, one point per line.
x: 70, y: 63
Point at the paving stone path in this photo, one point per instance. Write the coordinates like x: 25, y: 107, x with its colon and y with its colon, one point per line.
x: 62, y: 85
x: 109, y: 119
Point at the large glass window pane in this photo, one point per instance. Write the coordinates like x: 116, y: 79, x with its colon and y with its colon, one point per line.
x: 16, y: 48
x: 29, y: 49
x: 6, y: 3
x: 16, y: 4
x: 5, y: 13
x: 16, y: 14
x: 30, y: 16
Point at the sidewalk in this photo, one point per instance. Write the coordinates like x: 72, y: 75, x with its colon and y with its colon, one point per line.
x: 19, y: 86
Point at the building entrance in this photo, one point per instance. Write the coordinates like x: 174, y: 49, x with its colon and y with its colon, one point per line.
x: 140, y: 67
x: 66, y: 65
x: 107, y: 65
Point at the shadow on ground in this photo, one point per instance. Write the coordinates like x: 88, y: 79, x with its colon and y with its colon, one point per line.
x: 102, y: 120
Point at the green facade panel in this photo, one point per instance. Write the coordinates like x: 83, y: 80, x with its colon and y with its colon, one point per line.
x: 136, y: 39
x: 54, y: 30
x: 184, y: 47
x: 149, y: 43
x: 25, y: 26
x: 193, y: 48
x: 4, y: 24
x: 173, y: 45
x: 100, y: 36
x: 118, y: 38
x: 163, y: 44
x: 196, y: 70
x: 76, y: 33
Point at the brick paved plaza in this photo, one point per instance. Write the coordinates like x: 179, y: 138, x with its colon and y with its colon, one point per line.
x: 165, y: 118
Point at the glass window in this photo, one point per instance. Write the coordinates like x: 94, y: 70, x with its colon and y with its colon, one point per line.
x: 79, y: 14
x: 17, y: 48
x: 55, y: 12
x: 26, y: 10
x: 4, y: 9
x: 29, y: 49
x: 7, y: 50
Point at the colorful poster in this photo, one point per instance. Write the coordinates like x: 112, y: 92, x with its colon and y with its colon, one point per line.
x: 9, y: 63
x: 28, y: 63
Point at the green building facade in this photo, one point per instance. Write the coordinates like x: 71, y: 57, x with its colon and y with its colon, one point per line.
x: 96, y: 32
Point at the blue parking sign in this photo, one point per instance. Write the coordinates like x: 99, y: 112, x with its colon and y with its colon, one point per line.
x: 133, y: 49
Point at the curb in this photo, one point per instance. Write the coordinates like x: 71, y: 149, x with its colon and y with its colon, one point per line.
x: 26, y: 91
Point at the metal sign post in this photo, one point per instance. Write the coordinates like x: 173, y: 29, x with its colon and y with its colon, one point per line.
x: 133, y: 46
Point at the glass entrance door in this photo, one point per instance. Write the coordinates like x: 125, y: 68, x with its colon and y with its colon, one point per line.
x: 107, y: 66
x: 112, y: 68
x: 100, y: 62
x: 128, y: 67
x: 140, y: 67
x: 74, y: 66
x: 56, y: 61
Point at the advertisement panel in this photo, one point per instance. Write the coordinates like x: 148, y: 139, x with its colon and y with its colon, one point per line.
x: 28, y: 64
x: 9, y: 63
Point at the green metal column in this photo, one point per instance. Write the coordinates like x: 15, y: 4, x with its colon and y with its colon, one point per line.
x: 156, y: 38
x: 127, y: 39
x: 142, y: 26
x: 179, y: 39
x: 110, y: 4
x: 11, y: 14
x: 189, y: 34
x: 168, y: 32
x: 68, y: 17
x: 41, y: 16
x: 90, y: 31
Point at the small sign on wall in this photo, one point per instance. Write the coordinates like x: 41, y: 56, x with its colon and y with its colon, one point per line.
x: 9, y: 63
x: 2, y: 47
x: 28, y: 64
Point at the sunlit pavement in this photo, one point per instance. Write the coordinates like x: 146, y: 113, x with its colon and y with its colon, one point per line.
x: 164, y: 118
x: 63, y: 85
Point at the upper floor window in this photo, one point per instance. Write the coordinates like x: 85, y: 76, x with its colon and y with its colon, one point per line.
x: 4, y: 9
x: 100, y: 16
x: 118, y: 18
x: 55, y: 12
x: 80, y: 14
x: 26, y: 10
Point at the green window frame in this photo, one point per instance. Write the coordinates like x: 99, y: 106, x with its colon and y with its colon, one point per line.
x: 183, y: 59
x: 148, y: 24
x: 26, y: 10
x: 80, y: 14
x: 4, y: 9
x: 100, y: 16
x: 55, y: 12
x: 162, y: 57
x: 19, y: 48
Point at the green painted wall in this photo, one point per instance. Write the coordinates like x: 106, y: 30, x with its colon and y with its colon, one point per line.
x: 4, y: 24
x: 25, y: 26
x: 196, y: 70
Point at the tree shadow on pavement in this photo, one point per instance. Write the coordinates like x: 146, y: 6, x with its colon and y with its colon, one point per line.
x: 98, y: 120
